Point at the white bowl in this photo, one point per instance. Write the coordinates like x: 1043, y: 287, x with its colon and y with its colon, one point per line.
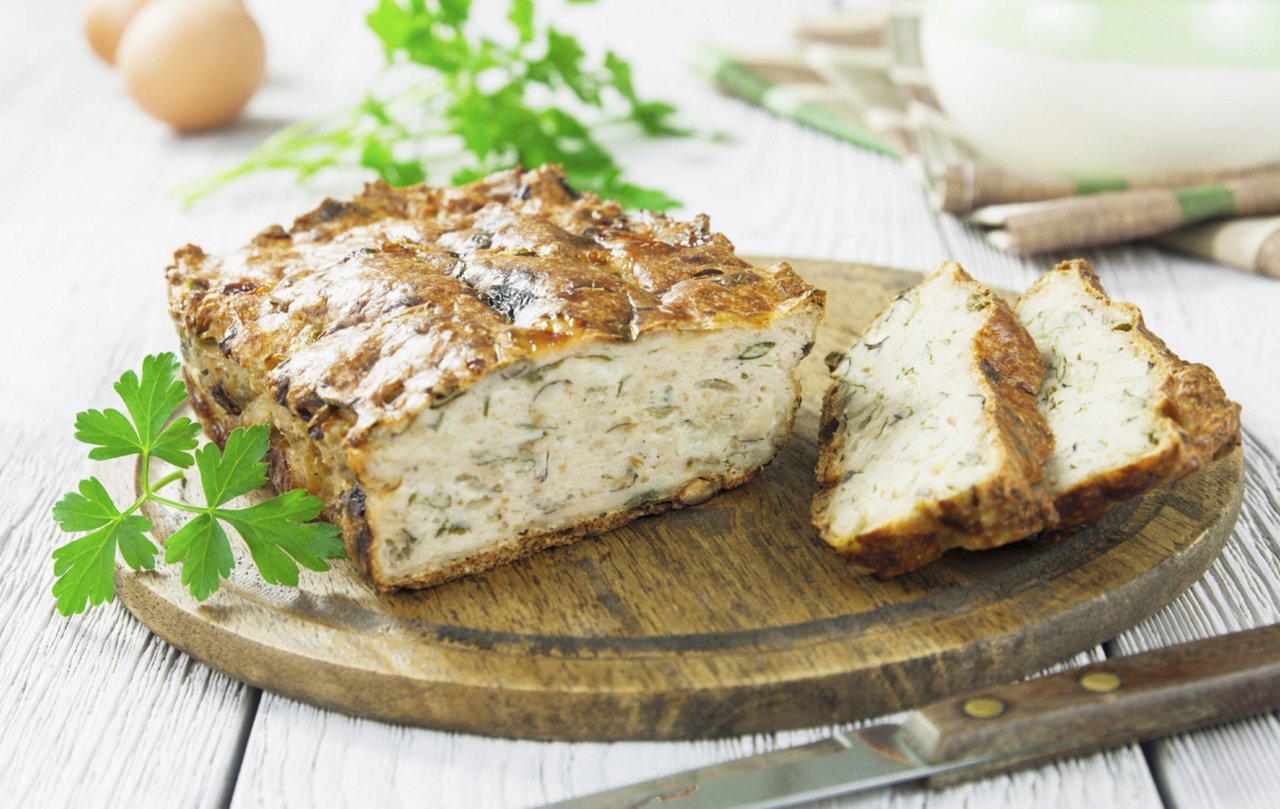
x: 1099, y: 88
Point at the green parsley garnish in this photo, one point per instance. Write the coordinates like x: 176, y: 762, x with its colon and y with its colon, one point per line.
x: 279, y: 532
x: 474, y: 106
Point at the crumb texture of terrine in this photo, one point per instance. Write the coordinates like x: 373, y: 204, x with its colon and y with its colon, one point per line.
x: 467, y: 375
x: 1128, y: 414
x: 930, y: 434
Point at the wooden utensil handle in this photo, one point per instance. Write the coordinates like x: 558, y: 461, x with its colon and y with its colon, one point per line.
x: 1102, y: 705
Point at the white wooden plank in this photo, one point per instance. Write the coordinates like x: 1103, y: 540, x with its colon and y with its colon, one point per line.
x: 344, y: 761
x: 23, y: 39
x: 95, y: 710
x: 1234, y: 765
x: 775, y: 188
x: 98, y: 703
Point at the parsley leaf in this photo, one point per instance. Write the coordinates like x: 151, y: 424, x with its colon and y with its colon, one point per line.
x: 280, y: 532
x: 280, y: 535
x: 110, y: 431
x: 521, y: 16
x: 89, y: 509
x: 473, y: 105
x: 86, y: 571
x: 235, y: 470
x: 205, y: 553
x: 138, y: 550
x: 175, y: 442
x: 86, y: 567
x: 151, y: 401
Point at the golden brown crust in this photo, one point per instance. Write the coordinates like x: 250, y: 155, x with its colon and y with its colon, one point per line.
x: 1008, y: 357
x: 1007, y: 506
x: 1205, y: 423
x: 364, y: 313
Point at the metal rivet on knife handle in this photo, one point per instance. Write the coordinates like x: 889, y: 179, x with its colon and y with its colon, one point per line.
x: 983, y: 707
x: 1100, y: 682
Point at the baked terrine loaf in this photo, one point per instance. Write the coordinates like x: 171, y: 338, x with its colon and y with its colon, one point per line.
x: 468, y: 375
x: 1126, y: 412
x: 930, y: 435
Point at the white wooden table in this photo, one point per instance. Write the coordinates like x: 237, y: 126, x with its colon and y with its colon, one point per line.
x: 95, y: 711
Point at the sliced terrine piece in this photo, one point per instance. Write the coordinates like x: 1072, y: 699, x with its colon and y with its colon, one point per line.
x: 1126, y: 413
x: 468, y: 375
x: 930, y: 436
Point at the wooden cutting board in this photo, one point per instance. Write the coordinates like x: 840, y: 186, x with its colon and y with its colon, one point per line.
x: 727, y: 618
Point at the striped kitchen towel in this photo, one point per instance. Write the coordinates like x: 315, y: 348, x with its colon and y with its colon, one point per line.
x: 858, y: 77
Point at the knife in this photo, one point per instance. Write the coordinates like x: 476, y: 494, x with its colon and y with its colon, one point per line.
x: 1094, y: 707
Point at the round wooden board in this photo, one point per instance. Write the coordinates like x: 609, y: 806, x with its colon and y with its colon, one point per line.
x: 727, y: 618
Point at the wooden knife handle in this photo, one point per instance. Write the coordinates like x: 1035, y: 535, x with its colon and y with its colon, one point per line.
x: 1101, y: 705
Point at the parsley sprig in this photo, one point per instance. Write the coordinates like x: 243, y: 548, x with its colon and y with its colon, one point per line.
x: 474, y: 105
x: 279, y: 532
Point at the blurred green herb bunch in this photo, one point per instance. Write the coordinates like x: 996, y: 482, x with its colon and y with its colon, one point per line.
x: 471, y: 105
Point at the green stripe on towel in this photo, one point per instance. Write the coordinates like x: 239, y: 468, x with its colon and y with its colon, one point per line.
x: 780, y: 99
x: 1205, y: 202
x: 1096, y: 185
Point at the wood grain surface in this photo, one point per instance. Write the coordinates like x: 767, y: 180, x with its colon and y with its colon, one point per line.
x: 99, y: 712
x: 727, y: 618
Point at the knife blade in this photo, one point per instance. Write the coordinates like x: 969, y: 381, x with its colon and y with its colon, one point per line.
x: 858, y: 760
x: 1082, y: 710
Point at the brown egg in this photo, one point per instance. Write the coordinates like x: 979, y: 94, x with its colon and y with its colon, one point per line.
x: 105, y: 21
x: 192, y: 63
